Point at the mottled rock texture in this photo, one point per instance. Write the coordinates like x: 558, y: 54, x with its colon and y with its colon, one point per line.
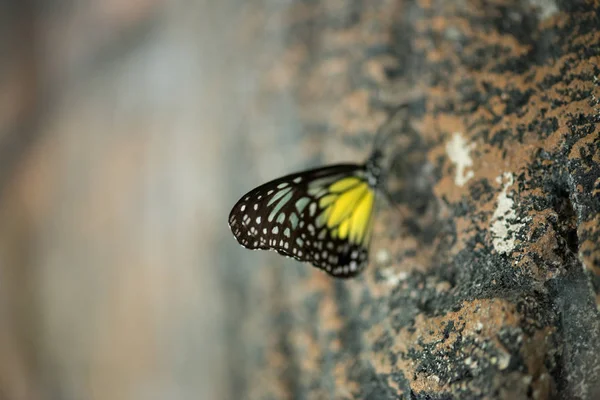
x: 487, y: 284
x: 128, y: 129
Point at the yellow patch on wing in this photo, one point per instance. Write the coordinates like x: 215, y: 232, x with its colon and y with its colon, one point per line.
x: 347, y: 209
x: 361, y: 218
x: 346, y: 203
x: 355, y: 223
x: 344, y: 184
x: 327, y: 200
x: 367, y: 237
x: 344, y: 228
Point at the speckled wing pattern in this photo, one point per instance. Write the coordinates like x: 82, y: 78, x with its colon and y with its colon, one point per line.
x: 322, y: 216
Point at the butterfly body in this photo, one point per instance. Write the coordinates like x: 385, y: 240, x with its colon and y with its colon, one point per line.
x: 322, y: 216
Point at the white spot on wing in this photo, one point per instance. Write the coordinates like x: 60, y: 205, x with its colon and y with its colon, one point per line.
x: 281, y: 218
x: 312, y: 209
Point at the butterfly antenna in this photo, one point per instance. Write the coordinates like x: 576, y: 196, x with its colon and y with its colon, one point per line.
x: 411, y: 225
x: 381, y: 137
x: 391, y: 201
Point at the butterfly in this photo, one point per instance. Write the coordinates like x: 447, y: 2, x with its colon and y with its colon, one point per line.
x: 323, y: 216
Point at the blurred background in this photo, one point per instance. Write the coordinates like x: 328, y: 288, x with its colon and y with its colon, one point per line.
x: 127, y: 131
x: 129, y: 128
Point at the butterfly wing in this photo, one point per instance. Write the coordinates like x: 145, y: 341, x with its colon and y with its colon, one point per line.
x: 322, y: 216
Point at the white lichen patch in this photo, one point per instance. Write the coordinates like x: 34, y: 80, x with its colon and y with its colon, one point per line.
x: 545, y: 8
x: 459, y: 152
x: 392, y: 277
x: 382, y: 257
x: 505, y: 223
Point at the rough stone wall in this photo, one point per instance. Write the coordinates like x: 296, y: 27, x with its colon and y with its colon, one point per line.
x: 128, y: 129
x: 486, y: 286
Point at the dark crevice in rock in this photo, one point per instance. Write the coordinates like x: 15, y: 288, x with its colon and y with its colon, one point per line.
x: 579, y: 336
x: 567, y: 221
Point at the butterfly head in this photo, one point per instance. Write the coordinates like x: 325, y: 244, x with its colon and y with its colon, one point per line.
x: 373, y: 169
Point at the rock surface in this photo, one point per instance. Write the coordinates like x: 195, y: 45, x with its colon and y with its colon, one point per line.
x: 128, y: 129
x: 487, y: 285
